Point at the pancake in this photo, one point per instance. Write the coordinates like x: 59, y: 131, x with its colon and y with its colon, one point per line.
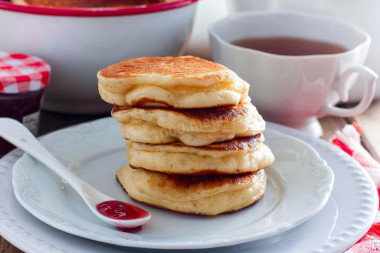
x: 193, y: 127
x: 241, y: 155
x: 178, y: 82
x: 85, y: 3
x: 204, y: 195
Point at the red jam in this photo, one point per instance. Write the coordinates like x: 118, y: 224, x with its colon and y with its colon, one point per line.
x: 120, y: 211
x: 24, y: 107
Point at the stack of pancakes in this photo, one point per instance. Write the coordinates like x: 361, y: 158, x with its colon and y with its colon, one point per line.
x: 195, y: 142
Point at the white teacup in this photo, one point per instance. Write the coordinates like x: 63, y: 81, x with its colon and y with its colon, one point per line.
x: 295, y: 90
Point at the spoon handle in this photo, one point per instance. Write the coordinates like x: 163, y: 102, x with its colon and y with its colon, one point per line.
x: 17, y: 134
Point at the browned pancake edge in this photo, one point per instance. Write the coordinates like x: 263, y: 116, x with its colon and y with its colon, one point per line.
x: 239, y: 143
x: 175, y: 67
x: 224, y: 113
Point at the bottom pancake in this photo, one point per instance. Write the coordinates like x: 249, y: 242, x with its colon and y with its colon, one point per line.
x: 196, y: 194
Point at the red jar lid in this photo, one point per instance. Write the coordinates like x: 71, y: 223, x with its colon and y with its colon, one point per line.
x: 21, y: 73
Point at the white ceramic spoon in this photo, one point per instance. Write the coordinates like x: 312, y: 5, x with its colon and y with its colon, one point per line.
x: 17, y: 134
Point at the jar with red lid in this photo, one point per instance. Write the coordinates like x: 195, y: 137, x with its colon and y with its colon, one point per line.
x: 23, y: 79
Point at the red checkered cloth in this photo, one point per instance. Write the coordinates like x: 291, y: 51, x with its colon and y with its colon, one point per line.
x: 21, y: 73
x: 349, y: 141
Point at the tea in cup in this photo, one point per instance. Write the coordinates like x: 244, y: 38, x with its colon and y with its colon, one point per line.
x: 299, y: 65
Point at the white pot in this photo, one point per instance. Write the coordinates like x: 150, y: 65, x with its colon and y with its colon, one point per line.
x: 79, y: 42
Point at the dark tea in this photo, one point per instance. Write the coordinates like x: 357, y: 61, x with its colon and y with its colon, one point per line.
x: 290, y: 46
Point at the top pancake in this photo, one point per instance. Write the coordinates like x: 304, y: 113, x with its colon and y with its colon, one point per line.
x: 179, y: 82
x: 85, y: 3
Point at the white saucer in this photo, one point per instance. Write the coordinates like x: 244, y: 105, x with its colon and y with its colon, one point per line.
x: 332, y: 230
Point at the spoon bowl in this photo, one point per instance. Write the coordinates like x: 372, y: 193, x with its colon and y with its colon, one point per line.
x: 117, y: 213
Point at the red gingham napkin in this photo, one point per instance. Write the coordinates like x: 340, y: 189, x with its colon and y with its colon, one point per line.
x: 349, y: 141
x: 20, y: 73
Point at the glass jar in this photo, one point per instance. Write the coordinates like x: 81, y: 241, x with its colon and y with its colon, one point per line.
x: 23, y: 79
x: 24, y: 107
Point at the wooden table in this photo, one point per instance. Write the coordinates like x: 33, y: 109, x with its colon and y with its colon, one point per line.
x: 369, y: 121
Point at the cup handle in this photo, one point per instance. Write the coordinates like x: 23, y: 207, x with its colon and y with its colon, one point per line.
x: 341, y: 87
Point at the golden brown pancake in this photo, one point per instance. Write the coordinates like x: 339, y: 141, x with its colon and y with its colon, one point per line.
x: 85, y: 3
x: 194, y: 127
x: 179, y: 82
x: 241, y: 155
x: 204, y: 195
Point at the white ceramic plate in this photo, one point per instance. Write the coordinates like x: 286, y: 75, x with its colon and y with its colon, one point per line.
x: 299, y: 185
x: 345, y: 218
